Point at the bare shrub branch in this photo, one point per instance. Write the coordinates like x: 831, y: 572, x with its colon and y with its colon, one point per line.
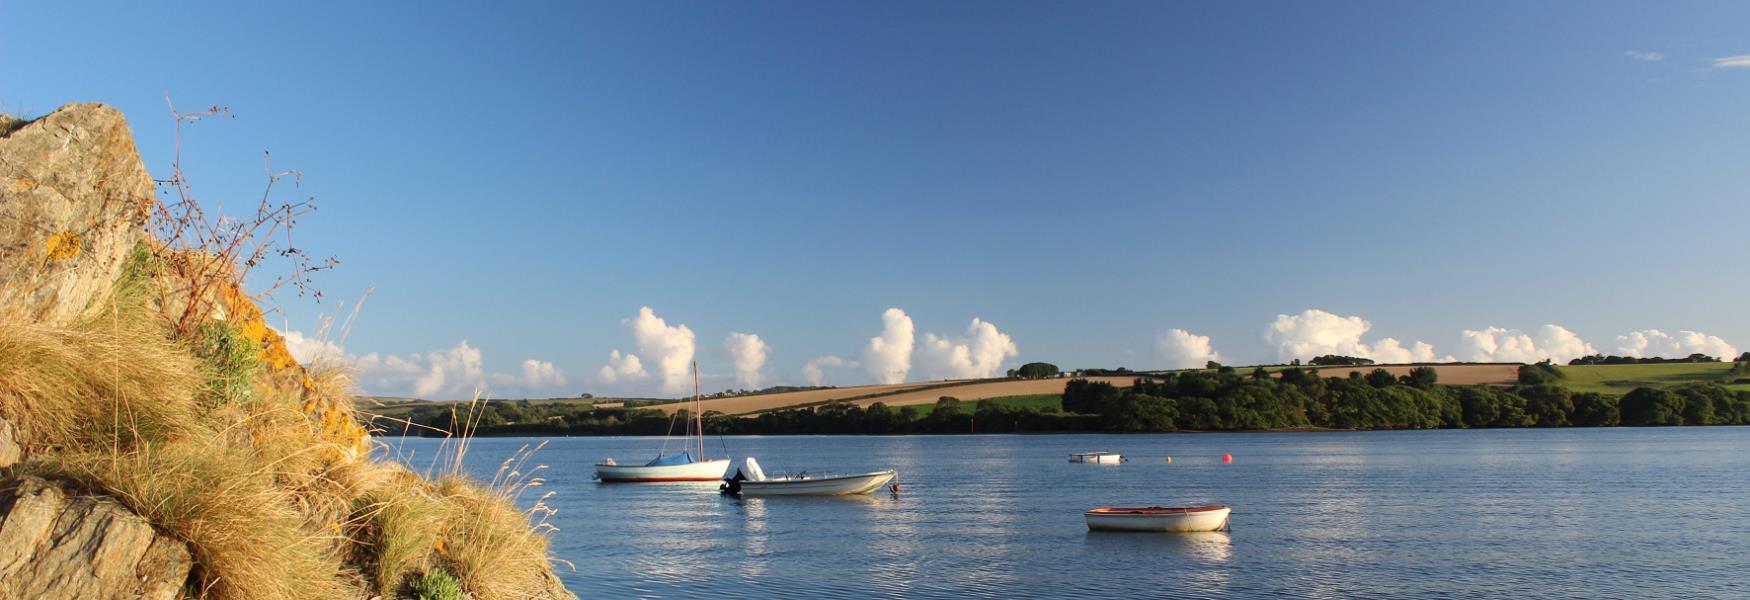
x: 207, y: 251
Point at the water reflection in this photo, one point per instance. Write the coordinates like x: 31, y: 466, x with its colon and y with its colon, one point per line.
x: 1208, y: 547
x: 1320, y: 515
x: 755, y: 538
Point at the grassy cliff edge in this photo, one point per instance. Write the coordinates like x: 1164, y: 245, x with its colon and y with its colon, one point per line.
x: 205, y: 426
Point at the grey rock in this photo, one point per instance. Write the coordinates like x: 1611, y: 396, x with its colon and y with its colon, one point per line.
x: 71, y: 181
x: 56, y: 545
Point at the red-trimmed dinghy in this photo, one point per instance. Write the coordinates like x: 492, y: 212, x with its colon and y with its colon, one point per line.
x: 1157, y: 518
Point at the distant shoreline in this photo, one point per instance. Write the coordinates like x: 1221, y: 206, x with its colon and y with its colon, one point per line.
x: 1280, y: 399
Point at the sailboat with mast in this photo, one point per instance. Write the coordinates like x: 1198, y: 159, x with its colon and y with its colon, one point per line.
x: 690, y: 464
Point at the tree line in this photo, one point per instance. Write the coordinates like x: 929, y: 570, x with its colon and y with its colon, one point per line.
x: 1296, y: 398
x: 1600, y: 359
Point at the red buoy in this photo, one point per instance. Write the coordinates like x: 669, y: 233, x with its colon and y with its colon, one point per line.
x: 1227, y: 458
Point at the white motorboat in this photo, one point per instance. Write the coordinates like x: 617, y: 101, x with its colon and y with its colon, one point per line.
x: 750, y: 480
x: 1156, y: 518
x: 684, y: 466
x: 1096, y: 457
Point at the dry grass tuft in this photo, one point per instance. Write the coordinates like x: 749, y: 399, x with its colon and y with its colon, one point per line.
x: 273, y: 494
x: 396, y: 522
x: 116, y: 407
x: 410, y: 525
x: 247, y: 535
x: 99, y: 383
x: 495, y: 549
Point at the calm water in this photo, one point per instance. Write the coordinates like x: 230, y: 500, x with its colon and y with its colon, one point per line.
x: 1574, y: 513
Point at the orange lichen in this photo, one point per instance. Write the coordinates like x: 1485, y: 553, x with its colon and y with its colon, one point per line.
x: 326, y: 401
x: 242, y: 312
x: 330, y: 409
x: 62, y: 246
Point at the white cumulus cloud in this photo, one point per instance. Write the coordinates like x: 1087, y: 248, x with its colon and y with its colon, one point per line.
x: 310, y: 350
x: 542, y: 374
x: 1315, y: 332
x: 1184, y: 350
x: 621, y: 366
x: 748, y: 352
x: 1652, y: 342
x: 387, y: 373
x: 1499, y: 344
x: 814, y: 372
x: 1645, y: 56
x: 451, y: 371
x: 1390, y: 350
x: 977, y: 355
x: 443, y: 374
x: 887, y: 358
x: 669, y: 348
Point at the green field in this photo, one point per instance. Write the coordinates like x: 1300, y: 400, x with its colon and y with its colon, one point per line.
x: 1619, y: 379
x: 1036, y: 402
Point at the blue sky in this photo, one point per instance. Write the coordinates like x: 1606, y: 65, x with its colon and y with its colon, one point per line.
x: 1083, y: 179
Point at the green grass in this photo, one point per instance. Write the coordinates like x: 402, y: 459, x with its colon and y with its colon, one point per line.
x: 1619, y: 379
x: 232, y: 362
x: 437, y: 585
x: 1037, y: 402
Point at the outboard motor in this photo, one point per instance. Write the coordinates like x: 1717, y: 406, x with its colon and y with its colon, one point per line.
x: 733, y: 488
x: 752, y: 468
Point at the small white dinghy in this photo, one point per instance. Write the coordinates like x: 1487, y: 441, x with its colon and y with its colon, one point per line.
x: 1156, y: 518
x: 1110, y: 458
x: 750, y: 480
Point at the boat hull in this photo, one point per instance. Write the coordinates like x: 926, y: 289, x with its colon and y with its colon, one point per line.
x: 705, y: 470
x: 1169, y: 520
x: 1110, y: 458
x: 826, y: 486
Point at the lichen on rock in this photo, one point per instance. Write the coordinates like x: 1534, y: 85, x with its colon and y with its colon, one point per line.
x: 78, y: 198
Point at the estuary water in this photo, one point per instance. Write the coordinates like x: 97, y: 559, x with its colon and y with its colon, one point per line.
x: 1523, y: 513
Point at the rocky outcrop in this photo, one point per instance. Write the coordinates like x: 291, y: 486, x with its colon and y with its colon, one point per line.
x: 54, y: 544
x: 74, y: 199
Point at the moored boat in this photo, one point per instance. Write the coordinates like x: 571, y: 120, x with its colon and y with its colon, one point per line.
x: 673, y: 467
x: 688, y: 465
x: 750, y: 480
x: 1157, y: 518
x: 1096, y: 457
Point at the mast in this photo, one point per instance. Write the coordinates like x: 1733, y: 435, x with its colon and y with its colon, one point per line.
x: 698, y: 418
